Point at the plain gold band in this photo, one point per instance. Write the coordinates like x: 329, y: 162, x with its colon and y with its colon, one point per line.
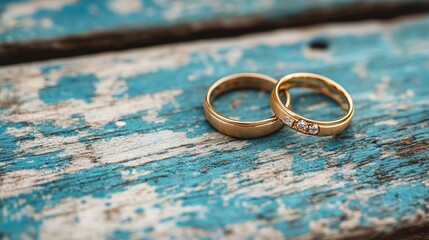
x: 240, y: 129
x: 316, y: 83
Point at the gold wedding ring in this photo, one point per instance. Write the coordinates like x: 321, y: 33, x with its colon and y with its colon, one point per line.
x: 318, y: 84
x: 240, y: 129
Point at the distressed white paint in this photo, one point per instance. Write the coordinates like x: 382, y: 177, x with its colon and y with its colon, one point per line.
x: 94, y: 215
x: 140, y: 148
x: 19, y: 14
x: 125, y: 6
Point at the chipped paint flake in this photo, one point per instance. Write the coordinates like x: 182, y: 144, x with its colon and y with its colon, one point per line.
x: 389, y: 122
x: 120, y: 123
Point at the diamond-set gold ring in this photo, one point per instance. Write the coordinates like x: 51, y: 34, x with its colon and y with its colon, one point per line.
x: 319, y: 84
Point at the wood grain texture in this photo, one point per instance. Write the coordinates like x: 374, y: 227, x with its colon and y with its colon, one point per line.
x: 116, y: 145
x: 32, y: 30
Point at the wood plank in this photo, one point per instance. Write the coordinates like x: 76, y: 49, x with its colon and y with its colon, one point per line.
x: 116, y: 144
x: 39, y: 29
x: 27, y: 20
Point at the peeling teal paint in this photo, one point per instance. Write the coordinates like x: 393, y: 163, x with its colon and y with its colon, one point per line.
x: 139, y: 211
x: 65, y: 89
x: 121, y: 234
x: 7, y: 142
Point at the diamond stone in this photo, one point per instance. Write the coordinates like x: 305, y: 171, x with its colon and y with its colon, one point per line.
x: 288, y: 121
x: 302, y: 125
x: 313, y: 128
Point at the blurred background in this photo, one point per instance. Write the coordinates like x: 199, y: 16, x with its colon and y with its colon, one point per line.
x: 43, y: 29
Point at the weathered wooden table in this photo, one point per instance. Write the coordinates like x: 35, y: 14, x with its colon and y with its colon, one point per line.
x: 115, y: 145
